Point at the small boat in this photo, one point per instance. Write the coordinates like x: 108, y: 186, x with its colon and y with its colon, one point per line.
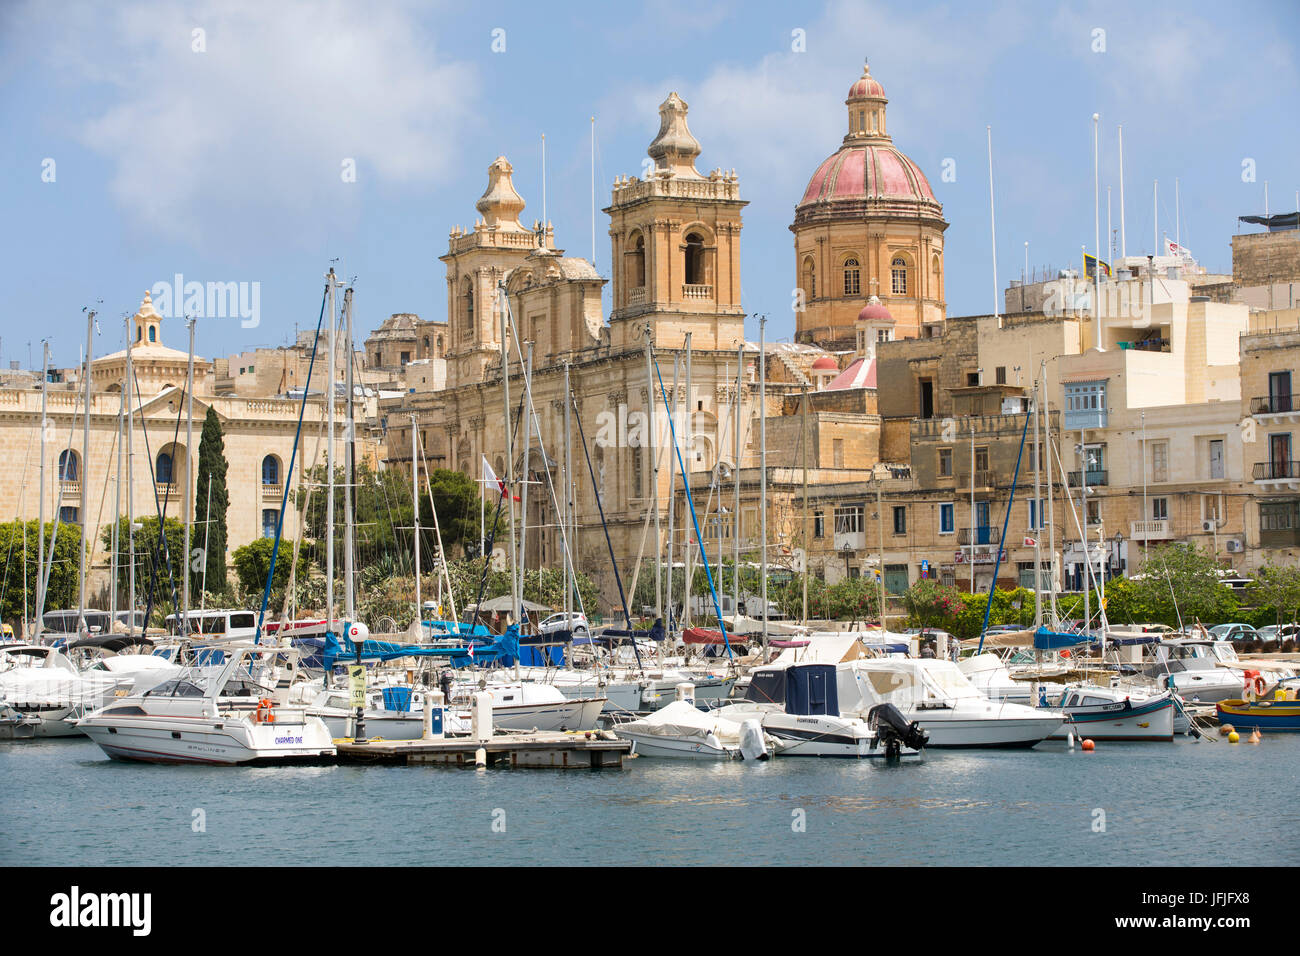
x: 230, y: 713
x: 42, y: 682
x: 797, y: 705
x: 1106, y: 713
x: 1280, y: 712
x: 683, y: 731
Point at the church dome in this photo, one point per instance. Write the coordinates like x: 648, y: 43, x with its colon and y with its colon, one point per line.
x: 868, y: 174
x: 826, y: 364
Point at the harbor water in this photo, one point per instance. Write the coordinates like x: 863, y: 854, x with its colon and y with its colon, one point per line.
x: 1184, y: 803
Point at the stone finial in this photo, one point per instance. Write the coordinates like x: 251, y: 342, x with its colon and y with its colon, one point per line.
x: 500, y: 204
x: 674, y: 149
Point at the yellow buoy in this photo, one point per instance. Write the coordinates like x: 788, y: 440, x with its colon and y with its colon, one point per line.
x: 1233, y: 737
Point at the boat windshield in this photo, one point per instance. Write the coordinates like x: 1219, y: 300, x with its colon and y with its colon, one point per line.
x: 178, y: 687
x: 948, y: 683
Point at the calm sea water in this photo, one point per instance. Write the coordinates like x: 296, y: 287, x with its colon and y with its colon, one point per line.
x: 1187, y: 802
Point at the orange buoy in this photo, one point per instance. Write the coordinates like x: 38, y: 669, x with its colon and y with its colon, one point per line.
x: 1088, y: 744
x: 1255, y: 736
x: 1225, y: 729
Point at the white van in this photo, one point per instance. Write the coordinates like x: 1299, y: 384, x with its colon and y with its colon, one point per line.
x: 218, y: 624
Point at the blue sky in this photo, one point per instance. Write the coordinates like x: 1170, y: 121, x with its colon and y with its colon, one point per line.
x: 225, y: 165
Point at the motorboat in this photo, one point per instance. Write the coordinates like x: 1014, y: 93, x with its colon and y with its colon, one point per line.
x: 681, y: 730
x: 1191, y: 669
x: 527, y: 705
x: 938, y: 696
x: 798, y: 706
x: 1278, y: 711
x: 227, y: 713
x: 41, y: 681
x: 994, y: 678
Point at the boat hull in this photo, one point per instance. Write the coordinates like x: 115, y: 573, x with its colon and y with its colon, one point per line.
x: 986, y: 732
x: 1122, y: 720
x: 1280, y: 715
x: 650, y: 745
x: 216, y: 741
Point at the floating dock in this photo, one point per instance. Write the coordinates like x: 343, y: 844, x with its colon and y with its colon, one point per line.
x: 564, y: 751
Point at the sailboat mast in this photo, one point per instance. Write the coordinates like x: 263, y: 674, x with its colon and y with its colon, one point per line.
x: 130, y: 493
x: 1051, y: 497
x: 415, y: 506
x: 117, y: 520
x: 332, y: 283
x: 85, y: 473
x: 527, y: 359
x: 40, y: 547
x: 568, y: 503
x: 762, y: 466
x: 688, y: 529
x: 1038, y: 521
x: 652, y: 445
x: 189, y: 496
x: 803, y: 440
x: 735, y: 517
x: 350, y: 467
x: 502, y: 306
x: 675, y: 414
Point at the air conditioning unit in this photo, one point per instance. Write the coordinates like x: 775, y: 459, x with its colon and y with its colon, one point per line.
x: 1208, y: 526
x: 1236, y: 545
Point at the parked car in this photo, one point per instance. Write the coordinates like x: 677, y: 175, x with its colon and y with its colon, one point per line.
x: 573, y: 621
x: 1274, y: 632
x: 1233, y: 632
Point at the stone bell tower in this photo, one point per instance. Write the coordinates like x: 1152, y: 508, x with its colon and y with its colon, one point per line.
x: 476, y: 262
x: 675, y: 245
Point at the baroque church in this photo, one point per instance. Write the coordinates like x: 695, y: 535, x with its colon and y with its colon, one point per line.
x: 869, y: 260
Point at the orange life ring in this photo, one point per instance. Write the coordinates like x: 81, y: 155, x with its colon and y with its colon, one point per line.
x: 265, y: 711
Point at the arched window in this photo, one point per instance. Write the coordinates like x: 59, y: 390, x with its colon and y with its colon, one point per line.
x: 270, y: 470
x: 809, y: 278
x: 852, y: 277
x: 898, y: 276
x: 467, y: 290
x: 153, y: 333
x: 694, y: 259
x: 163, y: 469
x: 69, y: 466
x: 636, y: 263
x: 139, y: 333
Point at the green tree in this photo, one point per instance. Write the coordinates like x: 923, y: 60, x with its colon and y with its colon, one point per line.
x: 1192, y: 574
x: 253, y: 562
x: 159, y: 564
x: 210, y: 520
x: 853, y: 599
x: 20, y: 562
x: 1277, y: 589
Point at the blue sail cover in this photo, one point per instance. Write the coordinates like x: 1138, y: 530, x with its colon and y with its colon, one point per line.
x: 1045, y: 640
x: 329, y: 650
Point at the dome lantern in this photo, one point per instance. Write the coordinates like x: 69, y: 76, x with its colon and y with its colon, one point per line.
x: 866, y: 103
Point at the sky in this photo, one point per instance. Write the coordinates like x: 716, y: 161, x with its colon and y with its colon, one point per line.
x: 260, y: 142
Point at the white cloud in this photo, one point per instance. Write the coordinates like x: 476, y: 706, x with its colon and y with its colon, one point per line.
x: 253, y: 132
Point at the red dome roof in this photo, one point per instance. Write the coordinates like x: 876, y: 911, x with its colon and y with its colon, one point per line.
x: 875, y: 311
x: 867, y: 86
x: 868, y: 172
x: 826, y: 364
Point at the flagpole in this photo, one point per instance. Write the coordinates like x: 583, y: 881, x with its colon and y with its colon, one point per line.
x: 1096, y: 232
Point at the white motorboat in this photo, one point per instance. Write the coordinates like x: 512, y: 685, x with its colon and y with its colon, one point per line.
x: 938, y: 696
x: 1193, y: 670
x: 627, y: 690
x: 680, y: 730
x: 797, y: 705
x: 527, y: 705
x: 42, y: 682
x: 230, y: 713
x: 994, y: 679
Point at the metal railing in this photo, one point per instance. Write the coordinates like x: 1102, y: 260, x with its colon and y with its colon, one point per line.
x: 1266, y: 470
x: 1274, y: 404
x: 980, y: 534
x: 1098, y: 477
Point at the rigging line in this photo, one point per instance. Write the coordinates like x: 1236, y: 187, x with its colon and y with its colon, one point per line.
x: 293, y: 456
x: 691, y: 505
x: 163, y: 543
x: 536, y: 425
x: 437, y: 530
x: 301, y: 509
x: 595, y: 487
x: 1006, y: 521
x: 1069, y: 500
x: 4, y: 590
x: 62, y: 471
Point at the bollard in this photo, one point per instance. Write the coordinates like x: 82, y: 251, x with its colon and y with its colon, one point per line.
x: 428, y: 720
x: 481, y: 716
x: 435, y: 715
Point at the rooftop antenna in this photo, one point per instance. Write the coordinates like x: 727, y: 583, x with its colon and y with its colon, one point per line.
x: 543, y: 184
x: 1178, y: 217
x: 593, y: 192
x: 1096, y: 232
x: 993, y: 230
x: 1155, y: 206
x: 1123, y: 236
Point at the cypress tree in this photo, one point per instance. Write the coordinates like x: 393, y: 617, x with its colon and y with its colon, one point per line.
x: 212, y: 462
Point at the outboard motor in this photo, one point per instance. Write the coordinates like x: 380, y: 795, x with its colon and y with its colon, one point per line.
x: 895, y: 731
x: 752, y: 744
